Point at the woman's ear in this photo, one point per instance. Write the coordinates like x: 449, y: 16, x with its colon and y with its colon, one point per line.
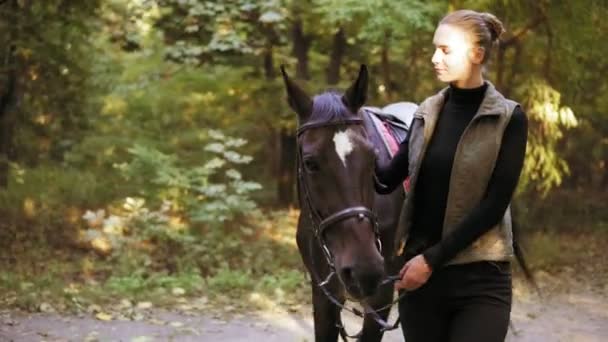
x: 476, y: 54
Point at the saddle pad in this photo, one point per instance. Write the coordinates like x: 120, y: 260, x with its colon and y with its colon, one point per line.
x: 391, y: 142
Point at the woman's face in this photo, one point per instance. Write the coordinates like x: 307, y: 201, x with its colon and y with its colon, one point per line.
x: 454, y: 58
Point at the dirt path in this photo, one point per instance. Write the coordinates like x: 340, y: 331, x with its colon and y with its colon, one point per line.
x: 565, y: 317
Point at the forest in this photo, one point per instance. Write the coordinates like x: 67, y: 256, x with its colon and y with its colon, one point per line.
x: 147, y: 145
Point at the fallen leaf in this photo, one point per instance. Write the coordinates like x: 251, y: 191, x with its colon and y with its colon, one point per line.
x: 176, y: 324
x: 92, y: 337
x: 144, y: 305
x: 178, y: 291
x: 141, y: 339
x: 294, y: 308
x: 156, y: 321
x: 102, y: 316
x: 185, y: 307
x: 190, y: 330
x: 137, y: 317
x: 46, y: 308
x: 125, y: 304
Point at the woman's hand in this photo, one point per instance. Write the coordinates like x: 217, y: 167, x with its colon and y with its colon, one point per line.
x: 414, y: 274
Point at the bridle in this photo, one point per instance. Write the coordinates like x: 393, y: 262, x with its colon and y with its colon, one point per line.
x: 321, y: 225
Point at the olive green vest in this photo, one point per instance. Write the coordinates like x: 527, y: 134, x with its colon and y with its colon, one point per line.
x: 474, y: 162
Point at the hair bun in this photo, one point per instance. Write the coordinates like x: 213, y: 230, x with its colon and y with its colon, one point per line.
x: 495, y: 25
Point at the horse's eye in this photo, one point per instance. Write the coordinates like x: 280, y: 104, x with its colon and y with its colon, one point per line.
x: 311, y: 165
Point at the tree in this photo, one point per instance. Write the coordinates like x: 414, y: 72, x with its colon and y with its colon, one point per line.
x: 44, y: 64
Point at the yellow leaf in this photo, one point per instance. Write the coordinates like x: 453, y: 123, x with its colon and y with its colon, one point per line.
x: 102, y: 316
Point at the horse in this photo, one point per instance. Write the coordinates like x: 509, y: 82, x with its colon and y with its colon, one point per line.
x: 346, y: 231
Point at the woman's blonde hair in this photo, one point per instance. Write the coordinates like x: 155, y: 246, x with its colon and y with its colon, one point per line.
x: 485, y: 27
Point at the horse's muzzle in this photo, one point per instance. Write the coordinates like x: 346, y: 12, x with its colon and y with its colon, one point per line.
x: 362, y: 280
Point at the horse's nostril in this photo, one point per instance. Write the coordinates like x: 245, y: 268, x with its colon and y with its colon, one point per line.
x: 347, y: 275
x: 369, y: 284
x: 363, y: 280
x: 370, y: 278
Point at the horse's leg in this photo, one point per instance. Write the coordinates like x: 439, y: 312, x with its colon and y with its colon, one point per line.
x: 326, y: 316
x: 371, y: 330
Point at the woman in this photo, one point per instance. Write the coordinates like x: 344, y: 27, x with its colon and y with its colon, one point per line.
x: 464, y: 156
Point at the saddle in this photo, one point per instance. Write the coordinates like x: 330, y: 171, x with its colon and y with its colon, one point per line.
x: 396, y: 118
x: 392, y: 123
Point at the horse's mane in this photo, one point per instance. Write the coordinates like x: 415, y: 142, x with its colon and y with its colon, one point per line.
x: 328, y: 106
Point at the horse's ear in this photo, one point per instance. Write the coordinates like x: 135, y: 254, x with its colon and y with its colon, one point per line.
x: 297, y: 98
x: 356, y: 95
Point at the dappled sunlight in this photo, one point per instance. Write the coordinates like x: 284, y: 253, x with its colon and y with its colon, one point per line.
x: 149, y: 154
x: 549, y: 120
x: 72, y: 215
x: 177, y: 223
x: 200, y: 98
x: 283, y: 228
x: 276, y: 301
x: 29, y: 207
x: 543, y: 103
x: 114, y: 105
x: 43, y: 119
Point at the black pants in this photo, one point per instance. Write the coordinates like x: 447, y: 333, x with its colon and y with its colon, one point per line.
x: 460, y: 303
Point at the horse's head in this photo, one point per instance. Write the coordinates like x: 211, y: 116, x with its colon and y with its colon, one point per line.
x: 335, y: 166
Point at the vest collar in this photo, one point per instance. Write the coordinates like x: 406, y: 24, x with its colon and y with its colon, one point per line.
x: 491, y: 105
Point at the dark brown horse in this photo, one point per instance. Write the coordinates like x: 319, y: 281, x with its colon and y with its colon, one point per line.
x: 337, y: 229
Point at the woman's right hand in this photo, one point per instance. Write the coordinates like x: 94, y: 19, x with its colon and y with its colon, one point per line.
x: 414, y: 274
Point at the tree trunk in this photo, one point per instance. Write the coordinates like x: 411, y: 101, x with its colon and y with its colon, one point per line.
x: 385, y: 64
x: 604, y: 182
x: 548, y: 58
x: 500, y: 67
x: 8, y: 98
x: 301, y: 45
x: 273, y: 150
x: 405, y: 89
x: 287, y: 157
x: 269, y: 73
x: 7, y: 106
x: 516, y: 63
x: 337, y: 53
x: 287, y: 168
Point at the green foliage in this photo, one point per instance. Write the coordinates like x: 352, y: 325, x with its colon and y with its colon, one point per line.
x: 42, y: 203
x: 216, y: 30
x: 136, y: 284
x: 222, y: 265
x: 121, y: 104
x: 549, y: 119
x: 230, y: 280
x: 205, y: 194
x: 56, y: 186
x: 286, y: 280
x: 52, y: 45
x: 242, y: 281
x: 377, y: 20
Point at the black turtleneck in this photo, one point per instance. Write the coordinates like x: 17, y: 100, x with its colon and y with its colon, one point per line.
x: 434, y: 178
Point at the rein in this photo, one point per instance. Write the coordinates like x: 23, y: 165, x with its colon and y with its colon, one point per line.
x: 320, y: 225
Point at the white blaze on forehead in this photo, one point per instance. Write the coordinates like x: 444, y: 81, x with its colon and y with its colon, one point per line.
x: 344, y: 145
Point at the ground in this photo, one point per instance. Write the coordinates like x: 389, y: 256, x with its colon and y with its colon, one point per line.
x: 579, y: 315
x: 569, y: 268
